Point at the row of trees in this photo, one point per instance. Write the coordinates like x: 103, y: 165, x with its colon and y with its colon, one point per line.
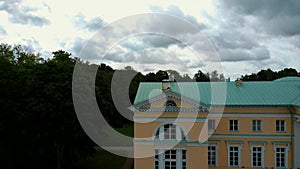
x: 38, y: 124
x: 269, y: 75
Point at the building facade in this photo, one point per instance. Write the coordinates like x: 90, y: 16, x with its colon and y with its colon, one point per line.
x: 188, y: 125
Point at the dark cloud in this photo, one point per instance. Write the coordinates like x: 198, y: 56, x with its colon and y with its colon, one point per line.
x: 176, y: 11
x: 275, y: 17
x: 241, y: 54
x: 295, y: 40
x: 151, y: 40
x: 157, y: 56
x: 135, y: 44
x: 22, y: 14
x: 157, y: 24
x: 232, y: 39
x: 284, y: 25
x: 266, y: 9
x: 86, y: 52
x: 160, y: 41
x: 91, y: 25
x: 120, y: 54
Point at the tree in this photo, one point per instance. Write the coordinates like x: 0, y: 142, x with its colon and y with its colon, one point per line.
x: 186, y: 78
x: 287, y: 72
x: 150, y: 77
x: 201, y: 77
x: 161, y: 75
x: 269, y: 75
x: 37, y: 119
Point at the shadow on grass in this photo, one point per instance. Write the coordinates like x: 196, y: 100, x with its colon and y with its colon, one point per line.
x: 106, y: 160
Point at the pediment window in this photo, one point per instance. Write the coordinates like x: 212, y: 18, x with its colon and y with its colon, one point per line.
x: 170, y: 132
x: 170, y: 103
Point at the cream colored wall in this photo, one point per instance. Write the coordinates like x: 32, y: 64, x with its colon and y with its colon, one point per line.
x: 146, y: 161
x: 144, y: 131
x: 245, y: 125
x: 197, y: 156
x: 269, y: 157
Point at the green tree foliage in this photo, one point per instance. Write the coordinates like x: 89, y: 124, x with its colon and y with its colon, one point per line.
x: 39, y: 127
x: 201, y: 77
x: 269, y: 75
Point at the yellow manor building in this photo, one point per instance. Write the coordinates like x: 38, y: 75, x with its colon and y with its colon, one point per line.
x: 188, y: 125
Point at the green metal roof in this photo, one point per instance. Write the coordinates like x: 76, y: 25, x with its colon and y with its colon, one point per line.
x: 288, y: 79
x: 285, y: 91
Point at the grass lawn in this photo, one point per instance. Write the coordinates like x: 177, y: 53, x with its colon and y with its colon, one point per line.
x: 103, y: 159
x: 126, y: 130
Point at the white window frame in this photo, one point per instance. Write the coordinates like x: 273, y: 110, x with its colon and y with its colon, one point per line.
x: 157, y: 153
x: 234, y: 125
x: 170, y: 132
x: 211, y: 125
x: 285, y: 154
x: 239, y: 155
x: 255, y: 125
x: 175, y: 132
x: 179, y: 160
x: 280, y: 126
x: 216, y: 155
x: 262, y: 156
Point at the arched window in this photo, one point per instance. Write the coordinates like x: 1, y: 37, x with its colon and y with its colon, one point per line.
x: 170, y: 132
x: 170, y: 103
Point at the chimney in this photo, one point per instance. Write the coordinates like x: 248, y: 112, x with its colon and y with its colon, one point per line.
x: 238, y: 82
x: 166, y: 83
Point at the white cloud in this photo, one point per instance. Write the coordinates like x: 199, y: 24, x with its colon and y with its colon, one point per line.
x: 249, y: 35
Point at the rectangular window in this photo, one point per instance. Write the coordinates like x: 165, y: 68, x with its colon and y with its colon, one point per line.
x: 256, y: 125
x: 280, y: 157
x: 183, y: 159
x: 170, y: 159
x: 233, y: 156
x: 233, y: 125
x: 156, y: 160
x: 212, y: 155
x: 257, y: 157
x: 211, y: 125
x: 280, y: 125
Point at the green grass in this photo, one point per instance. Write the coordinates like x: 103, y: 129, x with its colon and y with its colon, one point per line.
x: 103, y: 159
x: 126, y: 130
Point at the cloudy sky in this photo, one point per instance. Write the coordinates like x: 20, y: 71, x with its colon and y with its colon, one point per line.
x: 247, y: 35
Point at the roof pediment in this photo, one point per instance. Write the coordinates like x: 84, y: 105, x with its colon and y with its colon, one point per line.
x: 158, y: 103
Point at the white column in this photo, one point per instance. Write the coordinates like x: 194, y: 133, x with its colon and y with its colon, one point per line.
x: 161, y: 133
x: 178, y: 133
x: 161, y: 159
x: 178, y: 158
